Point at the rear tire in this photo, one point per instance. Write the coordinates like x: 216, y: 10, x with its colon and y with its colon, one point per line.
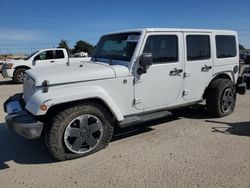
x: 79, y: 131
x: 221, y: 98
x: 19, y: 76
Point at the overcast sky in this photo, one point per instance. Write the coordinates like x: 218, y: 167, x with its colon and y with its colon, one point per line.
x: 29, y: 25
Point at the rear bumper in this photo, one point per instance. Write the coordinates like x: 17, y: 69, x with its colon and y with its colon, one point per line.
x: 241, y: 85
x: 22, y: 122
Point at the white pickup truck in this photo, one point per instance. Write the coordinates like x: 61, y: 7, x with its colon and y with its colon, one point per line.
x: 133, y: 76
x: 15, y: 68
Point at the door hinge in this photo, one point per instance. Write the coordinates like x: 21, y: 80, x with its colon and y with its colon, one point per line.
x: 186, y: 74
x: 185, y: 93
x: 137, y: 101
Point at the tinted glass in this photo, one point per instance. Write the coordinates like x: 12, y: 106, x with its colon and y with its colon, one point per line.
x: 117, y: 47
x: 45, y: 55
x: 59, y: 54
x: 164, y: 48
x: 198, y: 47
x: 225, y: 46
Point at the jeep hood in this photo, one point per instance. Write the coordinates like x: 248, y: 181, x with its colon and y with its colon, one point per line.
x: 77, y: 72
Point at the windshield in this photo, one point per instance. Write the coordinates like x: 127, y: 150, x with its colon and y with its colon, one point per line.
x: 117, y: 46
x: 26, y: 58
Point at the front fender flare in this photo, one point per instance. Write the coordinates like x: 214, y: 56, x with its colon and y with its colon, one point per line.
x: 62, y: 95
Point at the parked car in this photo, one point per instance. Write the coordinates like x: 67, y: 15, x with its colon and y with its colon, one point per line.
x: 242, y: 56
x: 133, y: 76
x: 15, y: 69
x: 247, y: 58
x: 246, y: 74
x: 81, y: 54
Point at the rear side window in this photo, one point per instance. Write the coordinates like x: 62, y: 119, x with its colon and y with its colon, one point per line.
x: 225, y: 46
x: 198, y: 47
x: 59, y: 54
x: 164, y: 48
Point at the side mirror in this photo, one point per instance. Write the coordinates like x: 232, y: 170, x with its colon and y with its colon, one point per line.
x: 145, y: 62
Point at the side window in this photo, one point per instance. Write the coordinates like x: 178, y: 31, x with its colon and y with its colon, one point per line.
x: 198, y: 47
x: 164, y: 48
x: 225, y: 46
x: 45, y: 55
x: 59, y: 54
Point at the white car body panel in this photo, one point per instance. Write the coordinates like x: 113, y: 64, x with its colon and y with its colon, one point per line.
x: 106, y: 90
x: 146, y: 87
x: 122, y: 89
x: 194, y: 73
x: 76, y: 72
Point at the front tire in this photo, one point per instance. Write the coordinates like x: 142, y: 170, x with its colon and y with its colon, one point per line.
x: 221, y: 98
x: 19, y: 75
x: 79, y: 131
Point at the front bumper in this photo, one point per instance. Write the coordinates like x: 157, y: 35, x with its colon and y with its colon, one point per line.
x: 22, y: 122
x: 7, y: 73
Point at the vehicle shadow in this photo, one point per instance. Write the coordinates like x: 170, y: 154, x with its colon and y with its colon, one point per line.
x: 197, y: 111
x: 23, y: 151
x: 7, y: 82
x: 121, y: 133
x: 240, y: 128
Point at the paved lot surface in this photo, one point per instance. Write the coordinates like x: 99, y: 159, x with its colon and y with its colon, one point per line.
x: 186, y: 150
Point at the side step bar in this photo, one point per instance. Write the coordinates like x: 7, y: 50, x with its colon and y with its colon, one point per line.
x: 136, y: 119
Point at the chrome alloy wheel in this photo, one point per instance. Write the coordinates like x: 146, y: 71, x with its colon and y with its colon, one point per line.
x: 83, y: 133
x: 227, y: 100
x: 21, y: 76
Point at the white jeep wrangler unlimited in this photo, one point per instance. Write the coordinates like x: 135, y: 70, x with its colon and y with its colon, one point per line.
x: 133, y: 76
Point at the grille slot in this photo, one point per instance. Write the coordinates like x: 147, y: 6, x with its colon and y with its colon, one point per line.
x: 27, y: 88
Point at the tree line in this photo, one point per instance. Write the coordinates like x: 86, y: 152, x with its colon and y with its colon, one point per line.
x: 80, y: 46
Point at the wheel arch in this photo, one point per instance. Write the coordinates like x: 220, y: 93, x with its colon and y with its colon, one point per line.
x: 61, y: 106
x: 224, y: 75
x: 21, y: 67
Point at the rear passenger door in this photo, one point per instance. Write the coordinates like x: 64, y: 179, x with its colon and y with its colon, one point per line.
x: 59, y: 57
x: 198, y: 64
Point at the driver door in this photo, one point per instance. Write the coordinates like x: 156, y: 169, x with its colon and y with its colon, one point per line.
x: 44, y: 58
x: 161, y: 85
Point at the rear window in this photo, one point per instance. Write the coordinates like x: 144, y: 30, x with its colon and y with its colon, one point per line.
x: 225, y: 46
x: 59, y: 54
x: 198, y: 47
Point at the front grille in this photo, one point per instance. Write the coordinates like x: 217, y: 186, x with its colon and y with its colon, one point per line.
x: 27, y: 88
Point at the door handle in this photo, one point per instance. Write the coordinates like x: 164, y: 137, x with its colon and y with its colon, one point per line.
x: 206, y: 68
x: 52, y: 61
x: 175, y: 72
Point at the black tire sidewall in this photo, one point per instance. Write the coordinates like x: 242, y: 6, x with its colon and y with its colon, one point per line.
x: 214, y: 97
x: 65, y: 117
x: 16, y: 73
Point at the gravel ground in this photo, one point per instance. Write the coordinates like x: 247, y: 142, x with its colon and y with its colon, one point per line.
x: 188, y: 149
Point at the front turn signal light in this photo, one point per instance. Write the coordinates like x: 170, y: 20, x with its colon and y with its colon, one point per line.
x: 43, y: 107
